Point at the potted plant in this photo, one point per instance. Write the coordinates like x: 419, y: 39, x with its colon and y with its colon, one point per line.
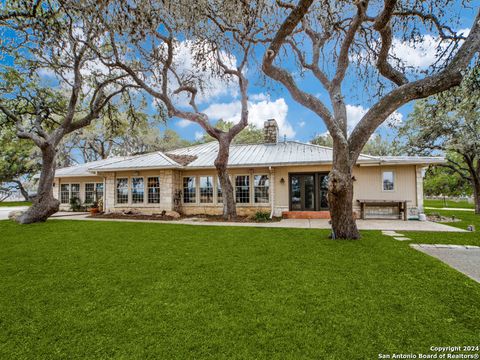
x: 94, y: 209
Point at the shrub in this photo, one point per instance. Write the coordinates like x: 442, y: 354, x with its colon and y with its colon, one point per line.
x: 76, y: 204
x: 261, y: 216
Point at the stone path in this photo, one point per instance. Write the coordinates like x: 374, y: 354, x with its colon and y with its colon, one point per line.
x: 395, y: 235
x: 464, y: 258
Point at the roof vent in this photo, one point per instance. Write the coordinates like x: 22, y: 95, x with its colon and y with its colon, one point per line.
x: 270, y: 131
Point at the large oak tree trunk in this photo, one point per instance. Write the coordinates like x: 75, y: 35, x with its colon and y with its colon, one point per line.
x: 44, y: 204
x: 221, y: 163
x: 340, y: 197
x: 476, y: 196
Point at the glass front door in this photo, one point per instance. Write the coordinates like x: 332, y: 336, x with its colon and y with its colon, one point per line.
x: 308, y: 192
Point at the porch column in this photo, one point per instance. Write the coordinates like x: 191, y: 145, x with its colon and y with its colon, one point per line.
x: 272, y: 191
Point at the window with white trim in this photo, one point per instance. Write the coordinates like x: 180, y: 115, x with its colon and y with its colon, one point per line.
x: 89, y: 193
x: 388, y: 180
x: 189, y: 190
x: 242, y: 189
x: 74, y: 191
x: 65, y: 193
x: 219, y: 192
x: 122, y: 190
x: 261, y: 189
x: 138, y: 190
x: 99, y: 189
x: 206, y: 189
x: 153, y: 184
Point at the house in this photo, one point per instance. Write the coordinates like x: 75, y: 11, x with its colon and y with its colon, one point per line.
x: 281, y: 177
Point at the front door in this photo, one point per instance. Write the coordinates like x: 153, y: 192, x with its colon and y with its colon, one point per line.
x: 308, y: 192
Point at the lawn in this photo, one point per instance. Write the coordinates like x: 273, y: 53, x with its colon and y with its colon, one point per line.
x: 468, y: 238
x: 448, y: 203
x: 79, y: 289
x: 14, y: 203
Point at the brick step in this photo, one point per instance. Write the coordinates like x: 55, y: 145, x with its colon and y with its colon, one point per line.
x: 306, y: 214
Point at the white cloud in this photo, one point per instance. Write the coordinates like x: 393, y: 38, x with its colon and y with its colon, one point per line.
x: 259, y: 111
x: 356, y: 112
x: 302, y: 124
x: 213, y: 85
x: 199, y: 135
x: 420, y: 54
x: 183, y: 123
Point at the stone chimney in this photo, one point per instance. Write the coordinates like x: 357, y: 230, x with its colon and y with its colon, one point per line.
x: 270, y: 131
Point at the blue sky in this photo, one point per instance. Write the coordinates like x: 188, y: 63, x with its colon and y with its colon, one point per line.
x: 271, y: 100
x: 297, y: 122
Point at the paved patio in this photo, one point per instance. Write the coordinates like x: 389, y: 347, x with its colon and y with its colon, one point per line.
x: 396, y: 225
x: 465, y: 259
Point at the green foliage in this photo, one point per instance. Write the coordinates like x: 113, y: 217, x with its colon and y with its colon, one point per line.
x: 449, y: 124
x: 76, y: 204
x: 376, y: 146
x: 250, y: 135
x: 261, y: 216
x: 135, y: 291
x: 441, y: 181
x: 19, y: 159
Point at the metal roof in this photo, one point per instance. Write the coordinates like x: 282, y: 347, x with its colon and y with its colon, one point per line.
x: 252, y: 155
x: 256, y: 155
x: 153, y: 160
x: 83, y: 169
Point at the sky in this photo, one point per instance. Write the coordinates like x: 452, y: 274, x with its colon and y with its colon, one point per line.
x: 295, y: 121
x: 268, y: 99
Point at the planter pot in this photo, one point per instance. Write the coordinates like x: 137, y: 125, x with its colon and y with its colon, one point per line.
x: 93, y: 211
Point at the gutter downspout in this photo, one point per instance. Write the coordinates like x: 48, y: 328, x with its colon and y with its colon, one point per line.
x: 272, y: 191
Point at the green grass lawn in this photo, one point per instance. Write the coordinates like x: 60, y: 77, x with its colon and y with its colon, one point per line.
x: 468, y: 238
x: 79, y: 289
x: 14, y: 203
x: 449, y: 204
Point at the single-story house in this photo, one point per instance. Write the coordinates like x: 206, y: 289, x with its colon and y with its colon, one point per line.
x: 281, y: 177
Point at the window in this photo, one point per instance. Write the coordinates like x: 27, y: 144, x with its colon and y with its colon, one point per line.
x: 65, y: 193
x: 99, y: 188
x: 388, y: 181
x: 219, y: 192
x: 75, y: 191
x: 260, y: 188
x: 137, y: 190
x: 122, y: 191
x: 89, y: 193
x: 189, y: 186
x: 242, y: 189
x: 206, y: 189
x: 153, y: 190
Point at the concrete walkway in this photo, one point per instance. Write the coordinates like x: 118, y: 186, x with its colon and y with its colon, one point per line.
x: 465, y: 259
x: 447, y: 208
x: 398, y: 225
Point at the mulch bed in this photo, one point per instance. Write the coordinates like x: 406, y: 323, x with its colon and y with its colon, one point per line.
x: 441, y: 218
x: 207, y: 218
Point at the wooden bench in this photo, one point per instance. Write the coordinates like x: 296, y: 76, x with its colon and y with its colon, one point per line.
x: 401, y: 204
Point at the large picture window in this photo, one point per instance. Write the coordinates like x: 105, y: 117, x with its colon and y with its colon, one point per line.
x: 219, y: 192
x: 189, y: 190
x: 260, y: 189
x: 242, y: 189
x: 74, y: 191
x: 89, y: 193
x: 122, y: 191
x: 206, y: 189
x: 138, y: 190
x: 153, y: 190
x: 99, y: 188
x: 388, y: 178
x: 65, y: 193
